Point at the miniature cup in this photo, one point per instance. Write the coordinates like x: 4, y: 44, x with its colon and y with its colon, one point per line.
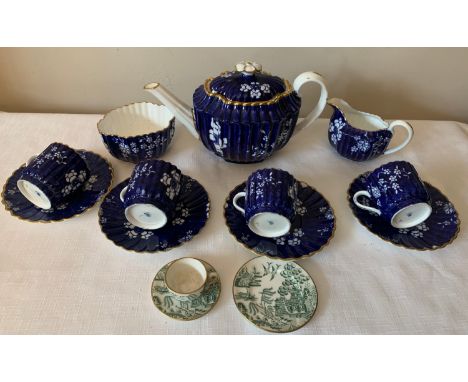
x: 186, y: 276
x: 361, y: 136
x: 53, y: 176
x: 270, y: 198
x: 149, y: 198
x: 400, y: 195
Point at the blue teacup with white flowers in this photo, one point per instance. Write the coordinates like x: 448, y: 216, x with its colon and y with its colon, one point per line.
x: 53, y: 176
x: 397, y: 193
x: 150, y: 196
x: 361, y: 136
x: 270, y: 198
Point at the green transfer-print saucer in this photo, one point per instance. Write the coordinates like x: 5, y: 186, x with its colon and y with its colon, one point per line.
x: 186, y: 308
x: 276, y: 296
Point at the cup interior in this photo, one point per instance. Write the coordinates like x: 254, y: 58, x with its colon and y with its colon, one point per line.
x: 34, y: 194
x: 411, y: 215
x: 269, y: 224
x: 186, y: 276
x: 359, y: 119
x: 146, y: 216
x: 135, y: 119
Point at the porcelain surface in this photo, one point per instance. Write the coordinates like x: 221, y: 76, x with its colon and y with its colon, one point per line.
x: 94, y: 188
x: 244, y: 115
x: 393, y: 187
x: 190, y: 307
x: 137, y: 132
x: 361, y: 136
x: 439, y: 230
x: 58, y: 172
x: 311, y: 229
x: 191, y: 213
x: 151, y: 194
x: 269, y: 200
x: 275, y: 296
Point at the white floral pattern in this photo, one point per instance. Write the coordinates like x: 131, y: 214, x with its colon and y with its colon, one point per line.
x: 172, y: 183
x: 335, y: 128
x: 256, y: 89
x: 147, y: 146
x: 360, y: 144
x: 74, y: 180
x: 299, y: 207
x: 89, y: 183
x: 219, y: 142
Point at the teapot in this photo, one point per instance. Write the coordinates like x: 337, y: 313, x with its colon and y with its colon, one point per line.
x: 244, y: 115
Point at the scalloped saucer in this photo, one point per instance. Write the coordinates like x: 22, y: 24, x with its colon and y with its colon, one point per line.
x: 97, y: 185
x: 276, y: 296
x: 186, y: 308
x: 192, y: 212
x: 439, y: 230
x: 311, y: 229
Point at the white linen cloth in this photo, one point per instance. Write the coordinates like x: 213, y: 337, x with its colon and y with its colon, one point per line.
x: 67, y: 277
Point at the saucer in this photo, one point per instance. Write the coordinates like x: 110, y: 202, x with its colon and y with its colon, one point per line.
x: 311, y: 229
x: 439, y: 230
x: 96, y: 186
x: 186, y: 308
x: 192, y: 211
x: 276, y: 296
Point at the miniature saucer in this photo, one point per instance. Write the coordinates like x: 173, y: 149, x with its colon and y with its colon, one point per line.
x: 311, y: 229
x: 97, y: 185
x: 190, y: 307
x: 439, y: 230
x: 276, y: 296
x: 192, y: 211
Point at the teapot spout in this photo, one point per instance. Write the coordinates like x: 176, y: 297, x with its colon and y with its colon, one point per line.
x: 181, y: 110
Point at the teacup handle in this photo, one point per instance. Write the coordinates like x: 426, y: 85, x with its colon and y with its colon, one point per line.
x: 236, y: 198
x: 409, y: 130
x: 362, y: 206
x: 122, y: 194
x: 28, y: 162
x: 305, y: 78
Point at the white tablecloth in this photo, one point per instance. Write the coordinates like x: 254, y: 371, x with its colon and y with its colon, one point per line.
x: 68, y: 278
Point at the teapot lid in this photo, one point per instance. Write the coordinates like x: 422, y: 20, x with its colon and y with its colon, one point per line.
x: 247, y: 85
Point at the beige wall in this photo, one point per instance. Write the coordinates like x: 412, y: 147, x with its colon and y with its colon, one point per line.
x: 411, y: 83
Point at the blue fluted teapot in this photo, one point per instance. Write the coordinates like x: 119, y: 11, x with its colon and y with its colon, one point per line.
x: 244, y: 115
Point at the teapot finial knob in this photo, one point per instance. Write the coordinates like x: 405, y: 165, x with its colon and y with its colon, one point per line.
x: 248, y: 67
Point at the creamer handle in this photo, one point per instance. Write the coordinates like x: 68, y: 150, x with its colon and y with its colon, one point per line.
x: 409, y: 130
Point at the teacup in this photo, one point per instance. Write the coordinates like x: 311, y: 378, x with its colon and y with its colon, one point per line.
x: 361, y: 136
x: 270, y: 198
x: 399, y: 194
x: 149, y: 198
x: 53, y: 176
x: 186, y: 276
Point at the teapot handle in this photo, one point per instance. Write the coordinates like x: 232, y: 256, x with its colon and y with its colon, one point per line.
x: 305, y: 78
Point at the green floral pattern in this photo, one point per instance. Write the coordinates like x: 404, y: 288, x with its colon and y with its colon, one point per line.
x: 190, y: 307
x: 276, y: 296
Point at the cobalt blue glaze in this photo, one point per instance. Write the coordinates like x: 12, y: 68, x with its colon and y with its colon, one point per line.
x: 311, y: 228
x: 270, y: 190
x: 94, y: 188
x: 154, y: 182
x: 353, y: 143
x: 59, y: 171
x: 245, y: 134
x: 192, y: 211
x: 140, y: 147
x: 395, y: 185
x: 437, y: 231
